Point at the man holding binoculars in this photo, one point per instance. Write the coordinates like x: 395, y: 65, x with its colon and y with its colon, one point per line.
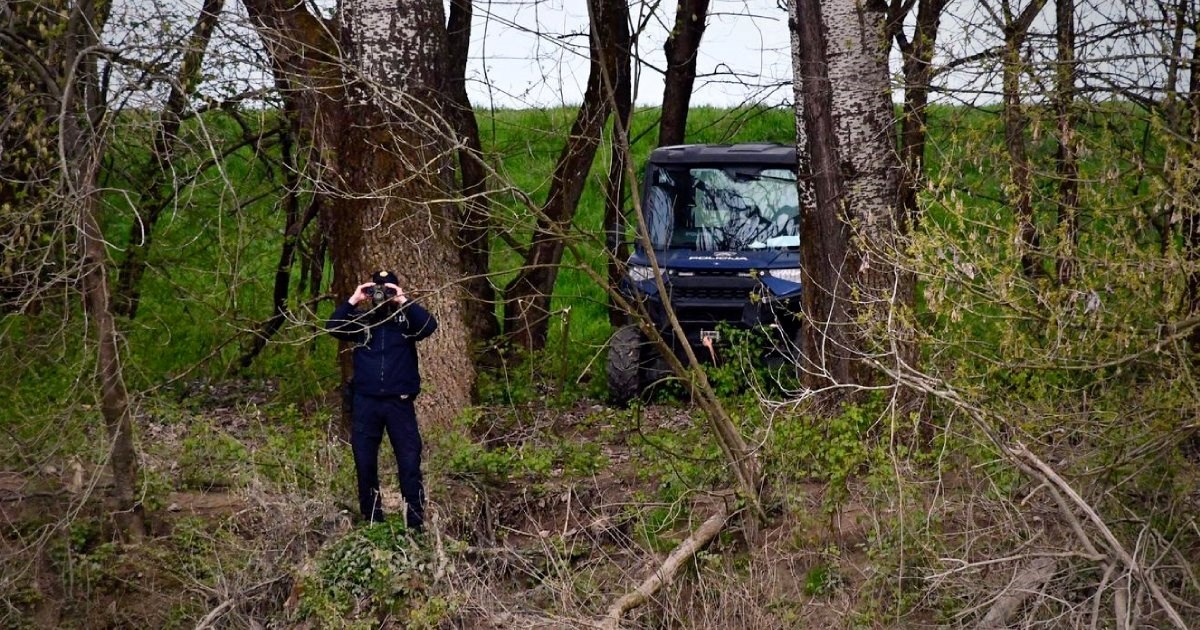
x: 384, y: 327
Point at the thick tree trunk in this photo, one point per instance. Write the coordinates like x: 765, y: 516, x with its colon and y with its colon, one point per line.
x: 157, y: 177
x: 475, y: 222
x: 852, y: 234
x: 682, y: 45
x: 385, y: 161
x: 527, y: 296
x: 864, y: 121
x: 825, y: 231
x: 397, y: 166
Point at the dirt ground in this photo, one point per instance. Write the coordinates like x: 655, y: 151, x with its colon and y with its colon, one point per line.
x: 551, y: 549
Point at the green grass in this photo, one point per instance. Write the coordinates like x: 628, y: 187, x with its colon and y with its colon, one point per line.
x: 215, y: 248
x: 211, y: 266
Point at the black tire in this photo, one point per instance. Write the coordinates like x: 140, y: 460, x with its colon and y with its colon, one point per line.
x: 625, y: 365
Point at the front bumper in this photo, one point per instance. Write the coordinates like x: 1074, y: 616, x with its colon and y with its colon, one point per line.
x: 707, y: 303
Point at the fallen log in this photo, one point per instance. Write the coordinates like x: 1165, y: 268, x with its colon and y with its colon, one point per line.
x: 1026, y: 583
x: 667, y: 571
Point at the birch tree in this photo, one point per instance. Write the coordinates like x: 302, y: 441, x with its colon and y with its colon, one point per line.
x: 852, y: 221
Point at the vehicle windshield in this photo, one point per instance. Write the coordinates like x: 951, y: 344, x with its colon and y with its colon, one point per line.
x: 723, y: 209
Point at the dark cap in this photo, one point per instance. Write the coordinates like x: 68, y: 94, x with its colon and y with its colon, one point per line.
x: 383, y: 277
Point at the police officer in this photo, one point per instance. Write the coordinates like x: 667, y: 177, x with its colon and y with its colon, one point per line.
x: 384, y: 327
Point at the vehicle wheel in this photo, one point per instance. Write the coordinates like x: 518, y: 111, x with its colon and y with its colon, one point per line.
x: 625, y: 365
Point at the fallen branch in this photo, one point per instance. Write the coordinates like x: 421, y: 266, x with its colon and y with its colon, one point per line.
x: 667, y: 572
x: 216, y: 613
x: 1054, y: 480
x: 210, y: 620
x: 1029, y: 581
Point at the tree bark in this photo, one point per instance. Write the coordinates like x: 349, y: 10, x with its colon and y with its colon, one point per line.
x: 918, y: 73
x: 114, y: 398
x: 527, y: 296
x: 374, y: 120
x: 1016, y: 28
x: 1066, y: 160
x: 681, y: 47
x: 474, y: 229
x: 81, y: 143
x: 851, y: 235
x: 825, y: 233
x: 620, y: 91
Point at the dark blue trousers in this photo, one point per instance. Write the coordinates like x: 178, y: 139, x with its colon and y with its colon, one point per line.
x: 396, y: 415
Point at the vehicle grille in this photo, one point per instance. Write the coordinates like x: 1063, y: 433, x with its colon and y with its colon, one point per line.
x: 738, y: 294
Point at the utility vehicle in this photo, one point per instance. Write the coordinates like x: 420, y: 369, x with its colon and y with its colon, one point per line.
x: 723, y: 225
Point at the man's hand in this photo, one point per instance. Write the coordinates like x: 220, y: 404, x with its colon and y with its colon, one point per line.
x: 399, y: 297
x: 360, y: 293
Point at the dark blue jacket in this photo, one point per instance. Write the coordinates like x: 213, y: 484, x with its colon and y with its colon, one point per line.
x: 385, y: 351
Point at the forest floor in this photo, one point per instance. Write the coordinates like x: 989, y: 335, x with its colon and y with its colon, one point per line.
x: 541, y: 515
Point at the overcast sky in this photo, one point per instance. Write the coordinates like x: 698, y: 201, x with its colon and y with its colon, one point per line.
x: 525, y: 53
x: 533, y: 53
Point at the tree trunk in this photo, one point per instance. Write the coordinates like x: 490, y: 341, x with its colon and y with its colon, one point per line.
x: 157, y: 177
x: 620, y: 92
x: 1066, y: 162
x: 864, y: 120
x: 81, y: 129
x: 52, y: 137
x: 825, y: 232
x: 527, y: 296
x: 474, y: 229
x: 683, y: 43
x: 114, y: 399
x: 1015, y: 121
x: 852, y: 236
x: 918, y: 73
x: 372, y: 118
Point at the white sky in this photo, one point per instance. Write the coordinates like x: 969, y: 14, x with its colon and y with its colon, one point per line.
x: 525, y: 54
x: 533, y: 53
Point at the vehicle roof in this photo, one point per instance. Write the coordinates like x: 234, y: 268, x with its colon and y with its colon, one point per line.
x: 746, y: 153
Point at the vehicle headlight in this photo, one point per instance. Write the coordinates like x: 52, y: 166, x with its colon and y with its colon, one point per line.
x: 791, y: 275
x: 638, y: 273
